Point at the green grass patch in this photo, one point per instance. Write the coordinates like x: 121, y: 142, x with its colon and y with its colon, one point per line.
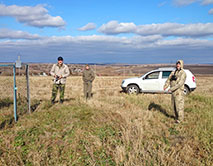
x: 79, y: 133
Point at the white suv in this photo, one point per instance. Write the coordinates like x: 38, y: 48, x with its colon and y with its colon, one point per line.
x: 153, y: 82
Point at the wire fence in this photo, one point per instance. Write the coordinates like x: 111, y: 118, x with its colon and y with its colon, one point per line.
x: 14, y: 91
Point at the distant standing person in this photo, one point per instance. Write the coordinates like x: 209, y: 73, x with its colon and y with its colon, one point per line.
x: 88, y: 78
x: 176, y: 82
x: 60, y: 72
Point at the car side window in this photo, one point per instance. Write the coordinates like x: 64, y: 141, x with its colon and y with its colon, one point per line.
x: 153, y: 75
x: 166, y: 74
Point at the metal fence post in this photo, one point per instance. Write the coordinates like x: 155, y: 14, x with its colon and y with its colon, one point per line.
x: 15, y: 93
x: 28, y: 87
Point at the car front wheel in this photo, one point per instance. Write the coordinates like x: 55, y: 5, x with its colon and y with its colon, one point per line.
x: 132, y: 89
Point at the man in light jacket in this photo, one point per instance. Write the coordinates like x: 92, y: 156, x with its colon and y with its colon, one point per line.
x: 176, y: 82
x: 60, y: 72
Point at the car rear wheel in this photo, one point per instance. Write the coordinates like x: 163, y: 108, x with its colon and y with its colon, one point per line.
x: 186, y: 90
x: 132, y: 89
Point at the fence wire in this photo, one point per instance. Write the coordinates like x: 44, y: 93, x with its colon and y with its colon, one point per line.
x: 7, y: 92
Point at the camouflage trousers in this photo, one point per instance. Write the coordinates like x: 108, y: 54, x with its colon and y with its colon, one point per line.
x: 88, y: 89
x: 178, y: 105
x: 61, y: 88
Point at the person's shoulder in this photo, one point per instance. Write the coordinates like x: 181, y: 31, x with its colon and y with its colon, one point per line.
x: 182, y: 71
x: 54, y: 65
x: 91, y: 71
x: 65, y: 65
x: 172, y: 73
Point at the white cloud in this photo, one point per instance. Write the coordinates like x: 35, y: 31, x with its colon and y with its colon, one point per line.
x: 12, y: 34
x: 89, y: 26
x: 33, y: 16
x: 193, y: 43
x: 60, y: 40
x: 175, y: 29
x: 184, y: 2
x: 110, y: 42
x: 188, y: 2
x: 211, y: 11
x: 113, y: 27
x: 207, y: 2
x: 165, y: 29
x: 137, y: 49
x: 162, y: 3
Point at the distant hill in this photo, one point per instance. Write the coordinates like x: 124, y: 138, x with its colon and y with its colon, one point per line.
x: 110, y: 69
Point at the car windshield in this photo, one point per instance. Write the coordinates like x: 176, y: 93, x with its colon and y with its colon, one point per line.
x: 153, y: 75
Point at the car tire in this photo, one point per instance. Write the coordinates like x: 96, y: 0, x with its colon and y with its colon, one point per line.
x: 132, y: 89
x: 186, y: 90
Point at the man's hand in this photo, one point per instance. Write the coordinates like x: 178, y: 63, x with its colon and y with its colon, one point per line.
x: 164, y: 88
x: 168, y: 90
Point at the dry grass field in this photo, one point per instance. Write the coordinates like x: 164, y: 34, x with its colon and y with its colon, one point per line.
x: 112, y: 128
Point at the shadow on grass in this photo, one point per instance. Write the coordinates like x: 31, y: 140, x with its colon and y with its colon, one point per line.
x: 7, y: 122
x: 47, y: 104
x: 35, y: 105
x: 122, y: 91
x: 69, y: 99
x: 65, y: 100
x: 6, y: 102
x: 157, y: 107
x: 22, y: 109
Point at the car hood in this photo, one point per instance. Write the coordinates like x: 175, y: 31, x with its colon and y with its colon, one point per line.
x: 130, y: 79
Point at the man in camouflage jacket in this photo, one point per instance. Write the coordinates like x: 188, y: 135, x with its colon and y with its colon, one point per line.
x: 88, y: 78
x: 176, y: 82
x: 60, y: 72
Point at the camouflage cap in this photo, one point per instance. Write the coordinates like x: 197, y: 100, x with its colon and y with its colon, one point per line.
x: 60, y: 58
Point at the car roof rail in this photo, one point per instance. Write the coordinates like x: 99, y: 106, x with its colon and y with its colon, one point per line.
x: 166, y: 68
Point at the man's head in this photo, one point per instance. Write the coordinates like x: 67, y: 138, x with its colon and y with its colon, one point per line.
x: 87, y: 67
x: 179, y: 64
x: 60, y: 60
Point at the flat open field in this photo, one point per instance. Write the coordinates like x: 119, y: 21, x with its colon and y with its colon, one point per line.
x: 112, y: 128
x: 109, y: 69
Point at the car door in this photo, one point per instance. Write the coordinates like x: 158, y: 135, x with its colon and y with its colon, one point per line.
x: 150, y: 82
x: 164, y: 76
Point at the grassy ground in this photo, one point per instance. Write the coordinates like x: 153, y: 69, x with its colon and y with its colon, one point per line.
x: 111, y: 129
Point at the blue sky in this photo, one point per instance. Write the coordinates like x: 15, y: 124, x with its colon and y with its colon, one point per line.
x: 112, y: 31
